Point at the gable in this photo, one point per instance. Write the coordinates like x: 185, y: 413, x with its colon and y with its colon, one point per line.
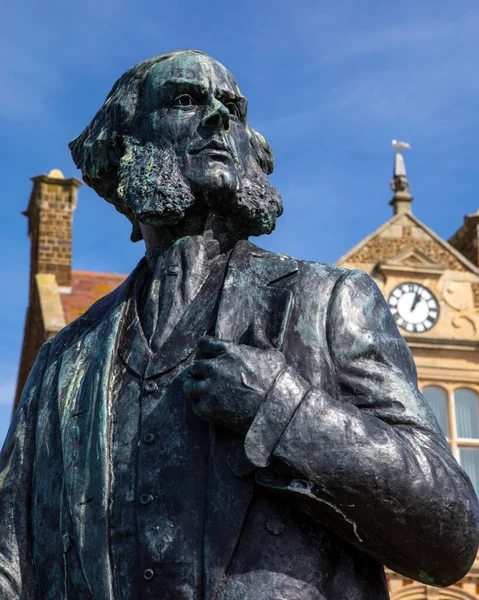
x: 405, y: 239
x: 414, y: 257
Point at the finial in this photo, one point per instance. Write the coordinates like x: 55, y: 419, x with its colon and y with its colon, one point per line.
x: 56, y: 174
x: 402, y: 199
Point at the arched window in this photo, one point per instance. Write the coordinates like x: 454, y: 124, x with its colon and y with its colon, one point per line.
x: 467, y: 413
x: 457, y: 412
x: 436, y: 397
x: 466, y: 408
x: 469, y: 459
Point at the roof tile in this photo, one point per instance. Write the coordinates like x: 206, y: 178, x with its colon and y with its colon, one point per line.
x: 87, y: 288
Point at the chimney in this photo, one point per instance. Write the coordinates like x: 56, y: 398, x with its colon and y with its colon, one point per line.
x: 466, y: 238
x: 50, y: 215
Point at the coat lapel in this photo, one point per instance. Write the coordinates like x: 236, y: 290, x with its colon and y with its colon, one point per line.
x: 84, y: 405
x: 251, y: 311
x: 197, y: 321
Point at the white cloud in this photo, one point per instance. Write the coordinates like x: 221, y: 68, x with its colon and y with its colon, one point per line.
x: 413, y: 75
x: 403, y: 37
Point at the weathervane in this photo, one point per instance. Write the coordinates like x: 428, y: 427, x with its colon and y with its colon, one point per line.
x: 400, y: 146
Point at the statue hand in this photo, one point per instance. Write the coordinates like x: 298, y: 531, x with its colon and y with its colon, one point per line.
x: 227, y: 382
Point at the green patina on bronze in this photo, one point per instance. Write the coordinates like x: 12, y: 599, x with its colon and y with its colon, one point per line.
x: 424, y: 578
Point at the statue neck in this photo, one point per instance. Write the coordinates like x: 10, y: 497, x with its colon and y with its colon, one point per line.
x: 209, y: 225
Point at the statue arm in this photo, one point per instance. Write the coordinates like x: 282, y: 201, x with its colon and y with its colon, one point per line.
x: 17, y: 576
x: 371, y: 463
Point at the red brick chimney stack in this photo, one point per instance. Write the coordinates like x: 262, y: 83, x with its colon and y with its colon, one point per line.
x: 50, y: 216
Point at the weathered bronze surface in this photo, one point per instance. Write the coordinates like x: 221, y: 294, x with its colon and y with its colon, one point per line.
x: 230, y: 423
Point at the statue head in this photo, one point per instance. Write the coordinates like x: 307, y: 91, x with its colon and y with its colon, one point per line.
x: 172, y: 139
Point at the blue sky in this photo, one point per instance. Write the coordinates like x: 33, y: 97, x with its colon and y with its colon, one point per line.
x: 329, y: 85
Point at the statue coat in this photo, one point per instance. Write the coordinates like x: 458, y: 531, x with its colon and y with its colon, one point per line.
x: 359, y: 475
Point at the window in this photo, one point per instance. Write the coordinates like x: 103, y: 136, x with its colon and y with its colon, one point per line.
x: 436, y: 397
x: 457, y: 412
x: 469, y: 459
x: 467, y: 413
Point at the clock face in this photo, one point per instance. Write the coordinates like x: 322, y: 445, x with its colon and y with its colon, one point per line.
x: 414, y: 307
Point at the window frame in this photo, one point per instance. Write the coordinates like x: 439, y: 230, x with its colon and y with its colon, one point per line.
x: 454, y: 442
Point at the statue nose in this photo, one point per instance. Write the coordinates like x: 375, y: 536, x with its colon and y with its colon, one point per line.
x: 217, y: 116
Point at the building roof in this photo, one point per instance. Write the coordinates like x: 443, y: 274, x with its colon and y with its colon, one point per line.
x: 87, y: 287
x: 367, y: 247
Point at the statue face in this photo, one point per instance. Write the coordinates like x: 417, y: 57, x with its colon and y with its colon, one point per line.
x: 193, y: 105
x: 185, y: 151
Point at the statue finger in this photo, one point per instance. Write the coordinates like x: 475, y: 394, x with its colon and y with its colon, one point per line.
x: 210, y: 347
x: 194, y: 389
x: 201, y: 369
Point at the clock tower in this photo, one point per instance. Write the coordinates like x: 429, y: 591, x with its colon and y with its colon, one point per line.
x: 432, y: 288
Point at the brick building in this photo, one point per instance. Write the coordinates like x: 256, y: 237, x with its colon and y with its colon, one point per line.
x: 430, y: 284
x: 58, y: 295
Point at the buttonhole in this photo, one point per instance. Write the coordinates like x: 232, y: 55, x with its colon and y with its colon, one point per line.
x: 86, y: 501
x: 77, y: 414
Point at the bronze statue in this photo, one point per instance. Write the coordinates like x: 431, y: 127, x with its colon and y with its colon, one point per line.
x: 230, y: 423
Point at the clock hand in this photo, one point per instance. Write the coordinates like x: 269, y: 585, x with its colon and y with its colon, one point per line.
x: 415, y: 301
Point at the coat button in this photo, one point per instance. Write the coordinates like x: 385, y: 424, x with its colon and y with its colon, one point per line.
x: 151, y: 386
x: 148, y: 574
x: 174, y: 270
x: 146, y: 499
x: 149, y: 438
x: 275, y: 525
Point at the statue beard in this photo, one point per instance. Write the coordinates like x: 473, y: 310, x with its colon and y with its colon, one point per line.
x: 152, y: 190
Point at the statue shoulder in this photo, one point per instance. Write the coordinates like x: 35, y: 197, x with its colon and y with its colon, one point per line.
x: 95, y: 315
x: 301, y: 276
x: 315, y: 276
x: 310, y: 268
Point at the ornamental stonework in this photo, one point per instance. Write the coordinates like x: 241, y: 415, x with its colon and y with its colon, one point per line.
x: 382, y: 248
x: 475, y: 295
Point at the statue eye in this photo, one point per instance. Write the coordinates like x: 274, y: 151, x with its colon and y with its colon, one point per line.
x: 185, y: 100
x: 233, y: 109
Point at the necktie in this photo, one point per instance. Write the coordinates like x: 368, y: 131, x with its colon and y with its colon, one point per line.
x: 178, y: 276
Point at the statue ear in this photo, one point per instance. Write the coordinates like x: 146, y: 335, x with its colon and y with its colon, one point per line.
x: 261, y: 150
x: 136, y: 234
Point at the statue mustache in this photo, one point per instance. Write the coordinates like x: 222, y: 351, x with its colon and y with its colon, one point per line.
x: 214, y: 143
